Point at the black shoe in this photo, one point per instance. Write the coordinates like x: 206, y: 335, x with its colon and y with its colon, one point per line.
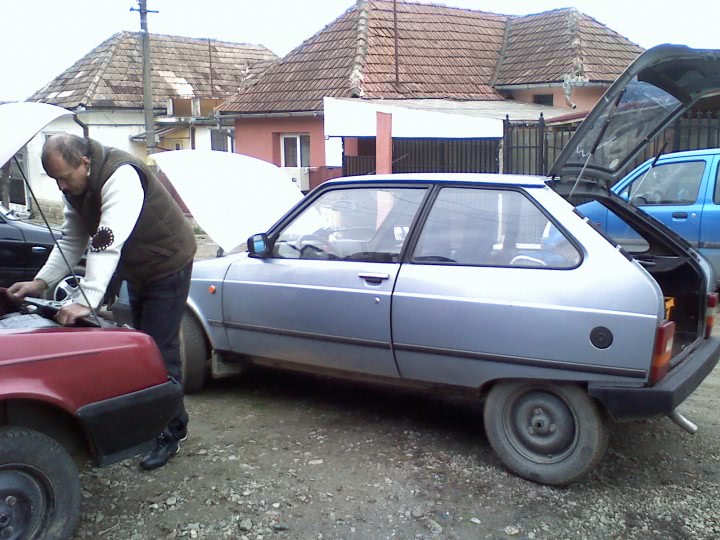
x: 166, y: 446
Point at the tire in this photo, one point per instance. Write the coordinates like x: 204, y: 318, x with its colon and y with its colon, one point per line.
x: 193, y: 354
x: 550, y: 433
x: 39, y: 487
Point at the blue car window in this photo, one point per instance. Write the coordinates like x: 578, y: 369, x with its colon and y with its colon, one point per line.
x: 671, y: 183
x: 490, y: 227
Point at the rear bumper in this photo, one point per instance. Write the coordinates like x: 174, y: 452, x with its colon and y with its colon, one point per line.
x: 126, y: 425
x: 631, y: 403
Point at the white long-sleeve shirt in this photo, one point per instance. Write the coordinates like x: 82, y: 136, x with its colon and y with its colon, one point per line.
x: 121, y: 202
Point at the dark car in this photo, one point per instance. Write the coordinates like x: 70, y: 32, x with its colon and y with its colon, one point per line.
x: 24, y: 247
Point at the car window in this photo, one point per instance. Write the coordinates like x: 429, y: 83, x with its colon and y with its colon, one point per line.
x: 358, y: 224
x: 490, y: 227
x: 716, y: 198
x: 672, y: 183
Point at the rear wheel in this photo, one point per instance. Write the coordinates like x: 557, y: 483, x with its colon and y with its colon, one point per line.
x: 39, y: 487
x: 546, y: 432
x: 193, y: 354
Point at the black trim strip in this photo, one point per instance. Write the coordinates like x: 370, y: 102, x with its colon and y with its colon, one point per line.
x: 310, y: 335
x: 521, y: 361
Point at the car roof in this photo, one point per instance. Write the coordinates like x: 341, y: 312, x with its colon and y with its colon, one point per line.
x: 445, y: 178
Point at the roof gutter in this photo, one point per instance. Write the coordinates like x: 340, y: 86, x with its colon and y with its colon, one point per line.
x: 291, y: 114
x: 558, y: 84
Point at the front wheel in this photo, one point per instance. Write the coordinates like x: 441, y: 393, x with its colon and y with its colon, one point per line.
x: 547, y: 432
x: 193, y: 354
x: 39, y: 487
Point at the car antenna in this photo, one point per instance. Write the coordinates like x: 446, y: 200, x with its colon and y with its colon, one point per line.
x: 55, y: 241
x: 601, y: 133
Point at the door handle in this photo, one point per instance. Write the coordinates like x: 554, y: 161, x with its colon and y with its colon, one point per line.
x: 38, y: 249
x: 679, y: 215
x: 373, y: 277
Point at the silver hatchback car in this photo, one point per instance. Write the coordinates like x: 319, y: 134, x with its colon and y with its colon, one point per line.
x: 492, y: 284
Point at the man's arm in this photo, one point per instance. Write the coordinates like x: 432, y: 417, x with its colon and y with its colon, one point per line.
x: 73, y: 242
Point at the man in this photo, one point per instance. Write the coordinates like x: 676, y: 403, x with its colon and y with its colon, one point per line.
x: 133, y: 225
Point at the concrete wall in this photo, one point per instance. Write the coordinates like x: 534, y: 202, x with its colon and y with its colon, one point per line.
x: 260, y: 137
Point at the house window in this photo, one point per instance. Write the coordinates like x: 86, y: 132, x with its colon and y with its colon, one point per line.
x: 543, y: 99
x: 295, y: 150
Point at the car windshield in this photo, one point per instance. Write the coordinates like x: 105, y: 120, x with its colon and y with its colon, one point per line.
x: 639, y: 113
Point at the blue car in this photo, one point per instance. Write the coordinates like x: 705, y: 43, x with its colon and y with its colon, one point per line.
x: 681, y: 191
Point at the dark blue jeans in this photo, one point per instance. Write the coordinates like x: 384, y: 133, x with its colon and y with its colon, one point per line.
x: 157, y: 309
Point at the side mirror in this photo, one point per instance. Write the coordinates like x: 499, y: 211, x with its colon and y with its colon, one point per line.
x: 258, y: 246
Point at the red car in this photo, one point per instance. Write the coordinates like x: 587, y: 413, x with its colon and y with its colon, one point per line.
x: 95, y: 386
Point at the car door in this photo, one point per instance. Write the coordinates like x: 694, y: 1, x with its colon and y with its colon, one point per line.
x: 323, y: 296
x: 672, y: 192
x: 13, y: 256
x: 710, y: 226
x: 493, y: 281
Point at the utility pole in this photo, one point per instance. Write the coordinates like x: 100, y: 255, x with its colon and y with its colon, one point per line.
x: 147, y: 77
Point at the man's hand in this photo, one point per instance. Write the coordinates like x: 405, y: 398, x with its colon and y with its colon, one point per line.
x: 70, y: 313
x: 18, y: 291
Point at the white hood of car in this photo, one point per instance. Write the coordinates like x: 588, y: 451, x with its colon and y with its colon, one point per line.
x: 21, y: 122
x: 231, y: 196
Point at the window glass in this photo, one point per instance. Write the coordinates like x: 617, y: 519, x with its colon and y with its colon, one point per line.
x: 492, y: 228
x: 304, y: 150
x: 672, y: 183
x: 361, y: 224
x: 290, y: 154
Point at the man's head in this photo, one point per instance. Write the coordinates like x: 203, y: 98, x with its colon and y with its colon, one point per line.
x: 66, y: 159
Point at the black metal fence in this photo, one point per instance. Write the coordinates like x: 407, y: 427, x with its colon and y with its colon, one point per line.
x: 532, y: 147
x: 433, y: 155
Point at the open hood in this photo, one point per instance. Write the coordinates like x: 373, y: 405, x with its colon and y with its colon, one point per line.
x: 658, y: 87
x: 231, y: 196
x: 21, y: 122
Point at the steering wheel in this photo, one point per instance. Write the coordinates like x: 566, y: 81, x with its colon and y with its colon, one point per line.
x: 317, y: 244
x: 526, y: 260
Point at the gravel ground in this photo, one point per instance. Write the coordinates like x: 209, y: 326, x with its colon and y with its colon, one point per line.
x: 277, y: 455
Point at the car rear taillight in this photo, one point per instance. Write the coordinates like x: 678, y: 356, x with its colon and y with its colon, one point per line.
x: 712, y: 302
x: 663, y: 351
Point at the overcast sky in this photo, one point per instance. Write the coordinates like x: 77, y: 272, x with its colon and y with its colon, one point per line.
x: 39, y: 39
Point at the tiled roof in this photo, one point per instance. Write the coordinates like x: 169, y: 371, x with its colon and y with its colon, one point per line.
x: 561, y: 45
x: 111, y: 74
x: 443, y: 52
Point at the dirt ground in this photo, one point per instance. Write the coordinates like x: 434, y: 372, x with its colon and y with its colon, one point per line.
x: 278, y: 455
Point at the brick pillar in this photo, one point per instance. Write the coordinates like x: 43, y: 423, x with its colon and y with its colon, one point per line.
x: 383, y: 146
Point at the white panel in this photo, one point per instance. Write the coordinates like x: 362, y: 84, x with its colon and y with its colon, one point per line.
x: 357, y: 118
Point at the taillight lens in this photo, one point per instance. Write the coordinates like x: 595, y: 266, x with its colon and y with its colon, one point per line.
x: 664, y: 337
x: 712, y: 303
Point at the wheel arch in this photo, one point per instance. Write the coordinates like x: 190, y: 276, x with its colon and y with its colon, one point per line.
x: 47, y: 418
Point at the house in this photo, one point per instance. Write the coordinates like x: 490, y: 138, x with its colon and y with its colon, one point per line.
x: 190, y: 77
x: 447, y: 76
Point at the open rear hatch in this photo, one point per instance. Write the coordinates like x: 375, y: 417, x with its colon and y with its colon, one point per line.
x: 658, y: 87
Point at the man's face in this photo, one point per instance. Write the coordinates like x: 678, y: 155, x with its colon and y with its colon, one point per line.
x: 70, y: 180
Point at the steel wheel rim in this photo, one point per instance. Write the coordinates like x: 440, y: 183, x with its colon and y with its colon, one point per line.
x: 540, y: 425
x: 26, y: 507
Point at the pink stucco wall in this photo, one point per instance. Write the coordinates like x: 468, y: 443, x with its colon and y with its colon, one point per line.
x: 584, y: 97
x: 260, y: 137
